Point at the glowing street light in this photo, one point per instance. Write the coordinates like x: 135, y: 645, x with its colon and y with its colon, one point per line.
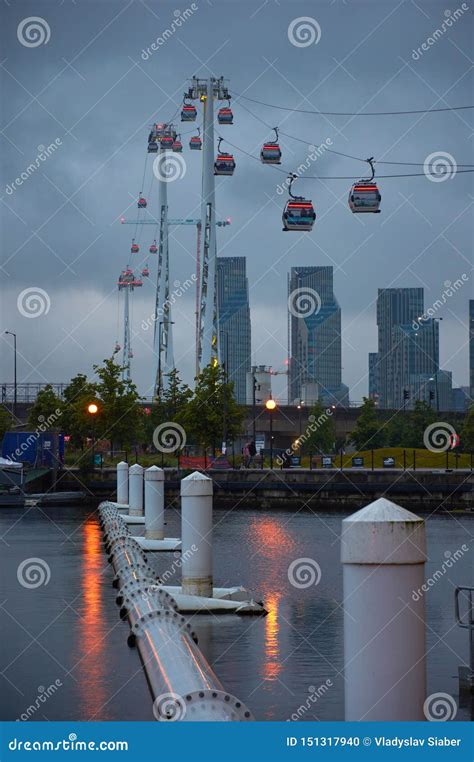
x: 270, y: 404
x: 93, y: 409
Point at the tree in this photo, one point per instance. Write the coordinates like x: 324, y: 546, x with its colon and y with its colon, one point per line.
x: 212, y: 415
x: 75, y: 419
x: 368, y: 433
x: 5, y: 421
x: 419, y: 419
x: 467, y: 433
x: 46, y: 409
x: 120, y: 416
x: 170, y: 406
x: 320, y: 433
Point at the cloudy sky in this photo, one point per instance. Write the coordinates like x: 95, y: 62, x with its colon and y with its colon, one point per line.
x: 90, y: 88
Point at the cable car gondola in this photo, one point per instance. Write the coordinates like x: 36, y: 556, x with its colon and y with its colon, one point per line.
x: 298, y: 213
x: 271, y: 153
x: 130, y: 353
x: 134, y: 247
x: 177, y: 144
x: 195, y: 142
x: 188, y: 112
x: 117, y: 347
x: 224, y: 163
x: 142, y: 204
x: 364, y: 196
x: 152, y: 146
x: 153, y: 248
x: 225, y: 115
x: 167, y: 141
x: 145, y: 272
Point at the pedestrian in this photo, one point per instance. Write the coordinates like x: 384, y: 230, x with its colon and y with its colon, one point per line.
x: 245, y: 456
x: 252, y: 453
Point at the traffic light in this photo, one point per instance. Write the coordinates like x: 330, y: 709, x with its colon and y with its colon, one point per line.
x: 431, y: 395
x: 406, y: 394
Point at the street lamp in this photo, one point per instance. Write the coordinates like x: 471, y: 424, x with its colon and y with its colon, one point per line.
x: 270, y: 404
x: 15, y: 386
x: 93, y: 409
x: 300, y: 406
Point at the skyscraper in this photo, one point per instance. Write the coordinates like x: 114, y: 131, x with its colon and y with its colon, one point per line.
x: 414, y: 362
x: 234, y: 321
x: 471, y: 348
x: 395, y: 307
x: 314, y: 336
x: 374, y: 380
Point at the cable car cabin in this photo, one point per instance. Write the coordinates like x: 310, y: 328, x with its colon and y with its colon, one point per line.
x: 142, y: 203
x: 153, y: 248
x: 188, y: 113
x: 270, y: 153
x: 167, y: 141
x: 225, y: 115
x: 134, y: 248
x: 298, y: 214
x: 117, y: 347
x: 195, y: 143
x: 152, y: 146
x: 145, y: 272
x: 364, y: 196
x: 130, y: 354
x: 224, y: 164
x: 177, y: 146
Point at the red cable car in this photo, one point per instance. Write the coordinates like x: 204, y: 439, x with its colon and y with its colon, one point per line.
x: 364, y: 196
x: 167, y: 141
x: 298, y: 213
x: 117, y: 347
x: 134, y: 248
x: 153, y: 248
x: 142, y: 203
x: 195, y: 142
x: 224, y: 163
x: 271, y: 153
x: 145, y: 272
x: 177, y: 145
x: 225, y: 115
x: 188, y: 112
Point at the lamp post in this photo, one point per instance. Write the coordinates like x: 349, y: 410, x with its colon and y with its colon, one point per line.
x: 270, y: 404
x: 300, y: 407
x: 15, y: 385
x: 93, y: 409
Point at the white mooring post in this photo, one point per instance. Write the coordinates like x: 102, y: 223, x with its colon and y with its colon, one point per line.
x: 196, y: 534
x: 154, y: 503
x: 122, y: 483
x: 135, y: 490
x: 383, y: 556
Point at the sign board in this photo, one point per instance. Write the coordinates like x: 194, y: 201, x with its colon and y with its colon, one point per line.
x: 326, y: 461
x: 259, y: 442
x: 388, y: 462
x: 357, y: 462
x: 295, y: 461
x: 97, y: 459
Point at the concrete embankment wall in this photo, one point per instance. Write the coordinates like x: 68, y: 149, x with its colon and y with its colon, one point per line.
x: 317, y: 489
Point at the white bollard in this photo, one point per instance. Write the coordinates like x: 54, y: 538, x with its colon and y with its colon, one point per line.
x: 135, y: 490
x: 122, y: 483
x: 383, y: 554
x: 196, y: 534
x: 154, y: 503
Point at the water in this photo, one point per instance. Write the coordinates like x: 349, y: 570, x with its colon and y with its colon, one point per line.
x: 68, y: 633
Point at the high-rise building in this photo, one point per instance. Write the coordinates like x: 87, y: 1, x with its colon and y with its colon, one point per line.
x: 374, y: 379
x: 395, y: 307
x: 234, y: 321
x: 314, y: 336
x: 471, y: 347
x: 413, y: 359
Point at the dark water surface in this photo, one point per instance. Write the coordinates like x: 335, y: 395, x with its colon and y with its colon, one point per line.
x: 68, y: 632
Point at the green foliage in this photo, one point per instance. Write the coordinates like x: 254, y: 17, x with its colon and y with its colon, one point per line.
x: 467, y: 433
x: 75, y: 419
x: 6, y: 421
x: 120, y: 416
x: 170, y: 406
x: 46, y: 410
x: 369, y: 432
x: 212, y: 414
x: 320, y: 433
x: 419, y: 419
